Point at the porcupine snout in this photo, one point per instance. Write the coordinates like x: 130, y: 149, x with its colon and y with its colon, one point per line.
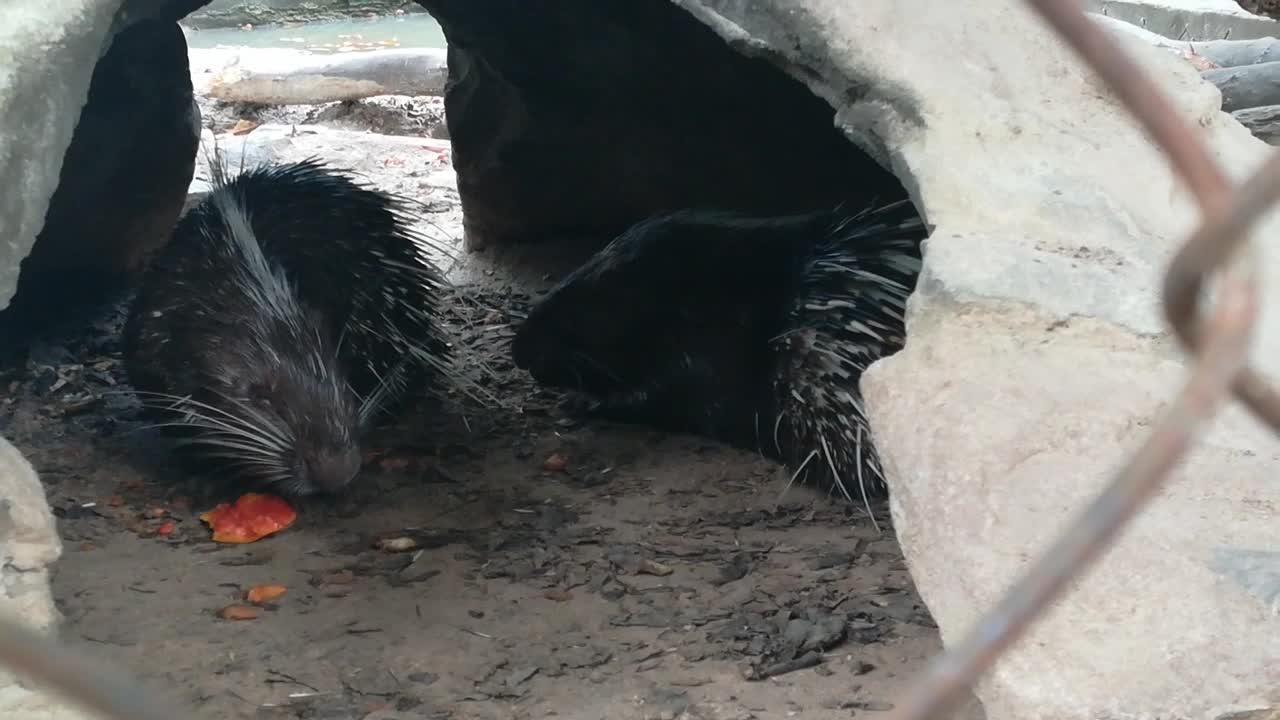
x: 331, y: 471
x: 531, y: 350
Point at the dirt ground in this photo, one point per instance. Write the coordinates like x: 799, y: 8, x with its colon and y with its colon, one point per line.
x: 657, y: 576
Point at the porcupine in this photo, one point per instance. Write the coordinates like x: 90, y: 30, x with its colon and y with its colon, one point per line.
x: 751, y: 330
x: 288, y: 309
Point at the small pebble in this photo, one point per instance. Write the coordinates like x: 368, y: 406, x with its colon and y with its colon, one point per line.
x: 652, y: 567
x: 399, y: 544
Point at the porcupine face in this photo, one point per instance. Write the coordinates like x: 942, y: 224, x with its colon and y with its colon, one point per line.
x: 289, y: 398
x: 225, y: 343
x: 667, y: 325
x: 585, y: 335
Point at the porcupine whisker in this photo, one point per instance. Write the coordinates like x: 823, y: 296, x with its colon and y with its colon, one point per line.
x: 232, y: 423
x: 261, y: 445
x: 239, y: 460
x: 189, y: 425
x: 176, y: 400
x: 186, y: 401
x: 196, y: 421
x: 223, y: 437
x: 234, y: 459
x: 262, y: 471
x: 182, y: 405
x: 265, y: 426
x: 210, y: 441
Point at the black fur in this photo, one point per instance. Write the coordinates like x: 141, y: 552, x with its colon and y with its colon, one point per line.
x: 359, y: 305
x: 715, y: 323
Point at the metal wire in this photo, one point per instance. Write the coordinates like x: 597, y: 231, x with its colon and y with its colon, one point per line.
x: 1218, y: 342
x: 87, y: 684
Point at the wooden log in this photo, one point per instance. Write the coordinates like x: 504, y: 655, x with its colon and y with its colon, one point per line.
x: 1223, y: 53
x: 1237, y: 53
x: 1249, y: 86
x: 1263, y: 122
x: 304, y: 79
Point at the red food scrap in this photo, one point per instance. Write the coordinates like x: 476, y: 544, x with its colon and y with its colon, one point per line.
x: 250, y: 518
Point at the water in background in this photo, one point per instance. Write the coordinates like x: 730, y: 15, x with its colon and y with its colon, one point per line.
x: 414, y: 30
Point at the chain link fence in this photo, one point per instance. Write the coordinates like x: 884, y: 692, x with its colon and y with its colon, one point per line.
x: 1217, y: 339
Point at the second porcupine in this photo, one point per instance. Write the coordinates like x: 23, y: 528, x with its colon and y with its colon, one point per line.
x: 751, y: 330
x: 289, y: 307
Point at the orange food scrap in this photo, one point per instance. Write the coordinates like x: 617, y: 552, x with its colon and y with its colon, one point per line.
x: 239, y: 612
x: 555, y: 463
x: 244, y: 127
x: 166, y: 528
x: 262, y: 594
x: 155, y: 512
x: 250, y: 518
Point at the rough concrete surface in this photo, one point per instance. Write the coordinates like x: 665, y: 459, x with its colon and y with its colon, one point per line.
x: 1037, y: 358
x: 29, y: 545
x: 29, y: 542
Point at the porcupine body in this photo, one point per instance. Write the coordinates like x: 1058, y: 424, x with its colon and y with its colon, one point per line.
x: 754, y: 331
x: 289, y: 308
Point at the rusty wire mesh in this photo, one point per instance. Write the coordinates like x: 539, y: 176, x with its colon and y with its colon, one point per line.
x: 1217, y: 340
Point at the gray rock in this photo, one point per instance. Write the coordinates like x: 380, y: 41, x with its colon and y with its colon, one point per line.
x: 29, y: 545
x: 1037, y: 358
x: 29, y: 542
x: 41, y: 93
